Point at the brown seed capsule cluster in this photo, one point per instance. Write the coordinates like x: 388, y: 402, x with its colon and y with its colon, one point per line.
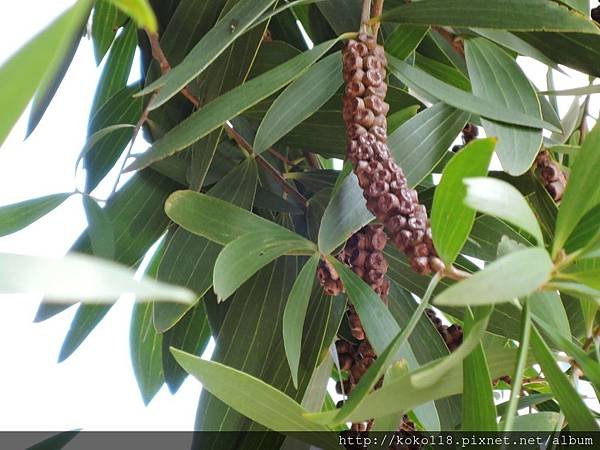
x: 551, y: 175
x: 329, y: 278
x: 384, y: 184
x: 452, y: 335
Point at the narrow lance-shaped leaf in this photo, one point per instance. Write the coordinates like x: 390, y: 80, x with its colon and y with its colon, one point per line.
x: 451, y: 219
x: 500, y: 199
x: 422, y: 81
x: 496, y: 77
x: 140, y: 11
x: 345, y: 214
x: 307, y: 94
x: 575, y: 410
x: 75, y: 277
x: 106, y: 20
x: 99, y: 230
x: 22, y: 74
x: 419, y: 144
x: 228, y: 106
x: 500, y: 14
x: 479, y: 411
x: 17, y: 216
x: 583, y: 190
x: 213, y: 43
x: 295, y: 313
x: 515, y: 275
x: 254, y: 398
x: 243, y: 257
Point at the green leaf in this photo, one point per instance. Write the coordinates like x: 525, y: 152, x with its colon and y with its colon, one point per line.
x: 582, y: 193
x: 228, y: 106
x: 55, y: 442
x: 479, y: 411
x: 486, y: 234
x: 102, y: 149
x: 116, y: 69
x: 253, y: 398
x: 243, y: 257
x: 419, y: 144
x: 548, y: 306
x: 444, y: 72
x: 345, y: 214
x: 384, y: 360
x: 140, y: 11
x: 403, y: 394
x: 145, y: 343
x: 422, y: 81
x: 79, y: 276
x: 215, y: 219
x: 511, y: 413
x: 99, y: 229
x: 500, y: 14
x: 22, y: 74
x: 308, y: 93
x: 404, y: 40
x: 541, y: 421
x: 451, y: 219
x: 256, y: 312
x: 497, y: 77
x: 527, y: 269
x: 500, y: 199
x: 575, y: 410
x: 191, y: 334
x: 295, y: 314
x: 17, y: 216
x: 232, y: 25
x: 583, y: 90
x: 189, y: 259
x: 106, y: 20
x: 396, y: 119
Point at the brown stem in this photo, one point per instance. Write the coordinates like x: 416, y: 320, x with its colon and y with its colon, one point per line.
x: 365, y: 16
x: 377, y: 11
x: 452, y: 40
x: 159, y: 56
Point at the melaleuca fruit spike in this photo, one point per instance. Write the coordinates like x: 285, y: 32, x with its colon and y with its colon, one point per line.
x: 551, y: 175
x: 384, y: 185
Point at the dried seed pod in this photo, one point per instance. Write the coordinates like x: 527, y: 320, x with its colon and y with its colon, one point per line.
x: 383, y: 182
x: 551, y: 175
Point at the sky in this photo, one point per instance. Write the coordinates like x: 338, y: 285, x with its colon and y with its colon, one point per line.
x: 95, y: 389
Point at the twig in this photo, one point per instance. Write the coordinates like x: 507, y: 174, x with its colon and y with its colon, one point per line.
x: 365, y: 16
x: 377, y: 11
x: 160, y: 57
x: 452, y: 40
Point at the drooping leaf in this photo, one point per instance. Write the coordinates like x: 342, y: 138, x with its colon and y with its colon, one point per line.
x: 419, y: 144
x: 244, y: 256
x: 451, y: 219
x: 345, y: 214
x: 404, y: 40
x: 22, y: 74
x: 479, y: 411
x: 582, y: 193
x: 526, y: 269
x: 106, y: 19
x: 17, y: 216
x: 77, y: 277
x: 422, y: 81
x: 140, y: 11
x: 253, y: 397
x: 497, y: 77
x: 228, y: 106
x: 308, y: 93
x: 500, y: 199
x: 295, y: 314
x: 116, y: 70
x: 99, y: 229
x: 55, y: 442
x: 215, y: 219
x: 571, y: 404
x: 102, y: 150
x: 500, y: 14
x: 213, y: 43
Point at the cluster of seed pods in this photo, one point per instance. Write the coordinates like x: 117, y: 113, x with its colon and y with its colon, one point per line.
x: 551, y: 175
x: 383, y: 182
x: 452, y: 335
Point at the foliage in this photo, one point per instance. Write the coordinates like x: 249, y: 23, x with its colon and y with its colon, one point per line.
x: 243, y: 188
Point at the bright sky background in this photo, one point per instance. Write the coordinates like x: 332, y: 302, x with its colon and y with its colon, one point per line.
x: 95, y: 388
